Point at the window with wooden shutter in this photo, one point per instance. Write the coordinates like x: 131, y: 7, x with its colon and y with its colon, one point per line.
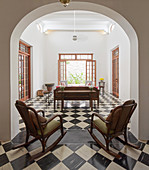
x: 24, y: 71
x: 91, y: 71
x: 62, y: 71
x: 115, y: 72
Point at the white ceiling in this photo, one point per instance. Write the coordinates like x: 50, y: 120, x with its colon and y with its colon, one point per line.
x: 84, y: 21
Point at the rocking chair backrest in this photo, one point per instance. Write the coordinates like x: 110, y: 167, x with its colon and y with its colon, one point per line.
x: 24, y: 112
x: 120, y: 116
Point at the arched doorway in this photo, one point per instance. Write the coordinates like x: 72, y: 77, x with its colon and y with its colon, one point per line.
x: 14, y: 42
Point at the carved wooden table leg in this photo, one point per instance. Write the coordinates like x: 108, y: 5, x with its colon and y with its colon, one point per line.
x: 62, y: 102
x: 98, y: 102
x: 54, y: 104
x: 91, y: 105
x: 91, y: 102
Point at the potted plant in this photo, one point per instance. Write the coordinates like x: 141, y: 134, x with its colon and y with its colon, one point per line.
x: 91, y: 88
x: 62, y: 88
x: 101, y: 79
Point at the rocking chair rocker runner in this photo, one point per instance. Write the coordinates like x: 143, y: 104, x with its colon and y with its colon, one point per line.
x: 39, y: 127
x: 114, y: 125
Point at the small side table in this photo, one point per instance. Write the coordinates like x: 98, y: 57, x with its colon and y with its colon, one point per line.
x: 49, y: 86
x: 101, y: 86
x: 48, y: 92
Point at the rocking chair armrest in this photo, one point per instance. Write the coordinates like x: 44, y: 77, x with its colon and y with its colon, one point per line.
x: 95, y: 114
x: 53, y: 117
x: 32, y: 109
x: 43, y: 114
x: 29, y: 105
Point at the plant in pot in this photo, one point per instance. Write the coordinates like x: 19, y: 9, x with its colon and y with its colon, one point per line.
x: 91, y: 88
x: 101, y: 79
x: 62, y: 88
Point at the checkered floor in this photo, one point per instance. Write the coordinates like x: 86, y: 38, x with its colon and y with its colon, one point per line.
x: 76, y: 114
x: 77, y: 150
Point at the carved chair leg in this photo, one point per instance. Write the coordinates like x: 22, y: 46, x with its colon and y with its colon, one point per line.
x: 27, y: 136
x: 92, y: 126
x: 107, y: 143
x: 125, y: 141
x: 106, y: 148
x: 15, y: 146
x: 43, y: 145
x: 61, y: 129
x: 45, y: 150
x: 91, y: 129
x: 125, y: 135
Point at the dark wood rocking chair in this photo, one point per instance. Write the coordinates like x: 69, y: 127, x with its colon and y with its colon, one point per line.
x: 114, y: 125
x: 38, y: 127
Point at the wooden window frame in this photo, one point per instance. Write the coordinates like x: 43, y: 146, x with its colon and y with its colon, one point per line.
x: 76, y: 59
x: 60, y: 55
x: 24, y: 54
x: 115, y: 57
x: 91, y: 77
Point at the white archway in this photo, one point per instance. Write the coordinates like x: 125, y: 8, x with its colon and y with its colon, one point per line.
x: 55, y: 7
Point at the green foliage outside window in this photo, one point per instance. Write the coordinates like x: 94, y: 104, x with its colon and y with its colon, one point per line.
x: 76, y: 78
x: 19, y: 78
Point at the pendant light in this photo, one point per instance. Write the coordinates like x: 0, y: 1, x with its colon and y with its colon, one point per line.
x: 74, y: 31
x: 65, y: 2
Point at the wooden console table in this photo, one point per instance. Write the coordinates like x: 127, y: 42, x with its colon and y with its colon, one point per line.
x: 76, y: 93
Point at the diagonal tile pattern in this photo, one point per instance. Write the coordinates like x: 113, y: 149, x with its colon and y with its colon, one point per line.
x: 76, y: 114
x: 77, y: 150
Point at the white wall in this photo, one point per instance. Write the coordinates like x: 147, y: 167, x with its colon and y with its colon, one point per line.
x: 61, y: 42
x: 46, y: 49
x: 35, y: 38
x: 119, y: 38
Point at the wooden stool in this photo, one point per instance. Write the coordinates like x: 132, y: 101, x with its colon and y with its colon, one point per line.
x: 40, y: 93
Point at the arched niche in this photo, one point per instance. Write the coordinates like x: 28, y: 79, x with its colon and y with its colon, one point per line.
x: 55, y: 7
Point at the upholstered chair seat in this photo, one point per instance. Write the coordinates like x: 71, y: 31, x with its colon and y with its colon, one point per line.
x: 50, y: 127
x: 102, y: 126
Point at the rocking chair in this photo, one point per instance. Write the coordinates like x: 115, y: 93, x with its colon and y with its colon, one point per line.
x: 114, y: 125
x: 39, y: 127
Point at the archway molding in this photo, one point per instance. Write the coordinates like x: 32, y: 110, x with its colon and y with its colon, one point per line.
x: 55, y: 7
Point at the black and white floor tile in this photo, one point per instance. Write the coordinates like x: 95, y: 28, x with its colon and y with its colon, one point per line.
x: 77, y: 150
x: 76, y: 114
